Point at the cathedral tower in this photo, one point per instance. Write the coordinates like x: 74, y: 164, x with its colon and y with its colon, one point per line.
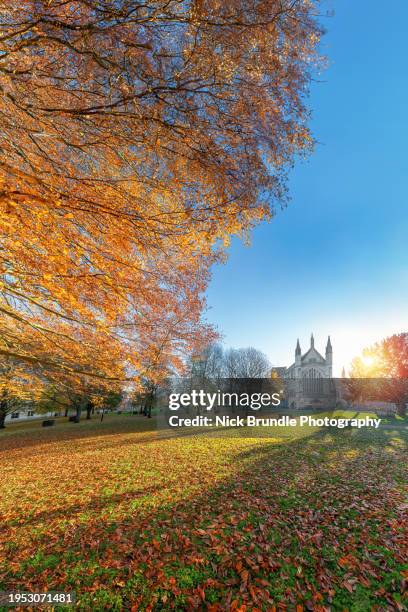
x: 329, y: 356
x: 298, y: 354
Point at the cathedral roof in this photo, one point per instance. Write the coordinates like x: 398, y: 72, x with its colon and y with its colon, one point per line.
x: 312, y: 353
x: 312, y: 356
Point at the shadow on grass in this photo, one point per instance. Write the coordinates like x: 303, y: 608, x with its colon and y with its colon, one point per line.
x: 134, y: 425
x: 20, y: 437
x: 303, y: 521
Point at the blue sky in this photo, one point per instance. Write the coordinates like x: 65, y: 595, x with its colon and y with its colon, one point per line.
x: 335, y: 261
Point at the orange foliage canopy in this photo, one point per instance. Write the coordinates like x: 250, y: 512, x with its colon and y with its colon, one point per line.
x: 136, y: 138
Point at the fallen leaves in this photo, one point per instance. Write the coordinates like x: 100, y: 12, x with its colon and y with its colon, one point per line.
x: 129, y: 519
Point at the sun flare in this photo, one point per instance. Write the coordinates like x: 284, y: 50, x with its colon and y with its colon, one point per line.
x: 368, y: 360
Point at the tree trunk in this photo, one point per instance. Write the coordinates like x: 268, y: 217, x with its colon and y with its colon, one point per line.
x: 78, y: 412
x: 66, y: 412
x: 401, y: 409
x: 4, y: 408
x: 149, y: 404
x: 89, y: 410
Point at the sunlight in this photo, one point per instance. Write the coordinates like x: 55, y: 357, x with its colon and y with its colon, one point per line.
x: 368, y: 360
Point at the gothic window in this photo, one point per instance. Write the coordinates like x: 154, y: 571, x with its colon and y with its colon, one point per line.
x: 312, y: 381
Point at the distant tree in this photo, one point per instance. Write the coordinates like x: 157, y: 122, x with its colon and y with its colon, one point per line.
x: 208, y: 364
x: 18, y: 386
x: 53, y: 399
x: 72, y: 396
x: 278, y: 384
x: 246, y: 363
x: 387, y: 363
x: 104, y: 400
x: 215, y: 363
x: 146, y: 396
x: 8, y: 403
x: 231, y: 363
x: 63, y: 398
x: 111, y: 400
x: 7, y: 396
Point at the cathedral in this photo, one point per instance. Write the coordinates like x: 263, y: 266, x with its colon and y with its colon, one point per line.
x: 308, y: 381
x: 312, y: 364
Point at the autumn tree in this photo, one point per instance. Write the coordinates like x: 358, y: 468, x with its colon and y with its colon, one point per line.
x: 78, y: 398
x: 387, y: 363
x: 19, y: 384
x: 54, y: 398
x: 136, y: 138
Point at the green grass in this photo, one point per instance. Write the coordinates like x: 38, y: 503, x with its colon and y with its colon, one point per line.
x: 128, y: 517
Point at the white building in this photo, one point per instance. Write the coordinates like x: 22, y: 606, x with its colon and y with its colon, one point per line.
x: 312, y: 364
x: 308, y: 381
x: 27, y: 414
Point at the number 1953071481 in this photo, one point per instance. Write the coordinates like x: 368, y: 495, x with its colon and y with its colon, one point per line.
x: 23, y: 598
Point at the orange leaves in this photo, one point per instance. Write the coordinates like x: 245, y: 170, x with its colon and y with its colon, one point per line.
x: 237, y: 607
x: 244, y: 576
x: 243, y: 573
x: 118, y: 192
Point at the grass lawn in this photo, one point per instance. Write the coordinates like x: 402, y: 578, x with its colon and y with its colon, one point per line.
x: 132, y: 519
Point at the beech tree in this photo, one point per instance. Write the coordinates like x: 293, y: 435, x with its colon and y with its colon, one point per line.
x: 136, y: 138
